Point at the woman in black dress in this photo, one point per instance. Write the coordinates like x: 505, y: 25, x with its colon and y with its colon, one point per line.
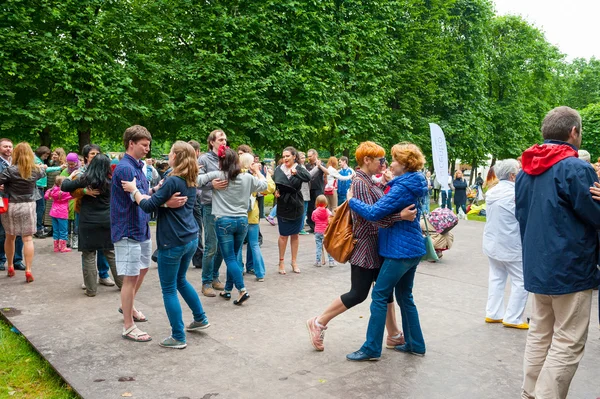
x: 94, y: 220
x: 288, y: 178
x: 460, y: 192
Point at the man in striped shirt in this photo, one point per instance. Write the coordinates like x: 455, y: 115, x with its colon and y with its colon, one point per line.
x: 129, y: 227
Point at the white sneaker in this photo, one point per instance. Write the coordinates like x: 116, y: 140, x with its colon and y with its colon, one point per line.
x: 83, y: 286
x: 107, y: 282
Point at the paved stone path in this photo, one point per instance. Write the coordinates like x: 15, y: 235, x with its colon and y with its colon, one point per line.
x: 261, y: 350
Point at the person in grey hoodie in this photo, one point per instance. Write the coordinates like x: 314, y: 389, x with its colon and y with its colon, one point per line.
x: 211, y: 261
x: 230, y: 212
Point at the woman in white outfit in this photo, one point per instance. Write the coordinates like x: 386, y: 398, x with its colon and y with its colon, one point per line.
x: 502, y: 245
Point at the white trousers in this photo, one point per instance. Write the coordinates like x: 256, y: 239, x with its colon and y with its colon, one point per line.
x: 499, y: 272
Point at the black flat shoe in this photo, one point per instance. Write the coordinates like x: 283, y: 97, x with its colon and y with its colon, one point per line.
x: 225, y: 295
x: 242, y: 299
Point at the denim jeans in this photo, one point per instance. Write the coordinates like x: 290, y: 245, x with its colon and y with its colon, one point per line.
x: 102, y: 264
x: 253, y: 254
x: 60, y: 228
x: 199, y: 254
x: 18, y: 258
x: 212, y: 259
x: 173, y: 264
x: 304, y: 214
x: 447, y: 199
x: 273, y: 212
x: 319, y: 241
x: 40, y: 206
x: 342, y: 197
x: 231, y: 231
x: 398, y: 274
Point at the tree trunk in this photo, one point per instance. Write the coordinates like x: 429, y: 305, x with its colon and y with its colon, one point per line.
x: 84, y: 135
x: 45, y: 139
x: 473, y: 171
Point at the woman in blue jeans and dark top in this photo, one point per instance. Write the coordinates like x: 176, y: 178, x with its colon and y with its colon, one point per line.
x: 402, y: 247
x: 177, y: 240
x: 230, y: 208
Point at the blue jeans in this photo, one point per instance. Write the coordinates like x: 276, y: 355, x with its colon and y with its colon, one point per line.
x: 18, y: 258
x: 426, y: 203
x: 40, y: 206
x: 212, y: 259
x: 447, y: 199
x: 319, y: 241
x: 342, y: 197
x: 304, y: 214
x: 60, y: 229
x: 231, y: 232
x: 173, y: 264
x: 273, y: 212
x: 398, y: 274
x: 253, y: 254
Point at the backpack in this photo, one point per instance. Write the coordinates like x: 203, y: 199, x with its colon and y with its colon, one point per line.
x: 443, y: 220
x: 338, y: 241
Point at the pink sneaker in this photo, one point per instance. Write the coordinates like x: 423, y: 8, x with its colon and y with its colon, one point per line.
x: 392, y: 342
x: 316, y: 333
x: 271, y: 220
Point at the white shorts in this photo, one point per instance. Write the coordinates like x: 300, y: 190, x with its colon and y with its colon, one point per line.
x: 132, y: 256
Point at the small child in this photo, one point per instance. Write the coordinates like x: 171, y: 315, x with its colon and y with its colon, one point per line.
x: 60, y: 215
x: 321, y: 218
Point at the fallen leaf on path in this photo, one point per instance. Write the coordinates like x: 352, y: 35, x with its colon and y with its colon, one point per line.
x: 127, y: 395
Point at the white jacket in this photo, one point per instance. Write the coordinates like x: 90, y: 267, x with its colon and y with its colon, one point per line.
x: 501, y: 235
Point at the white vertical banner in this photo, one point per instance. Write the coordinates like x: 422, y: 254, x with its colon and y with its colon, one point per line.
x: 440, y: 155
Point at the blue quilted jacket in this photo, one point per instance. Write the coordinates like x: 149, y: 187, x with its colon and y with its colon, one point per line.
x: 404, y: 240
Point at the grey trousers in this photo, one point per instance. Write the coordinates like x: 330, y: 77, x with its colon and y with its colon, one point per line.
x: 90, y: 272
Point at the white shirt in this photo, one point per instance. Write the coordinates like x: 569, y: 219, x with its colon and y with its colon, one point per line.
x: 501, y: 235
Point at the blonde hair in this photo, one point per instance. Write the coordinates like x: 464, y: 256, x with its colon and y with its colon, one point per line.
x: 409, y: 155
x: 185, y: 164
x: 246, y: 160
x: 368, y: 149
x: 321, y: 200
x: 457, y: 172
x: 62, y: 155
x: 58, y: 180
x: 24, y: 159
x: 332, y: 161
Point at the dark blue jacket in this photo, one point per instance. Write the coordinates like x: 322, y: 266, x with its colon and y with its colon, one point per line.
x: 558, y: 220
x: 174, y: 226
x: 404, y: 240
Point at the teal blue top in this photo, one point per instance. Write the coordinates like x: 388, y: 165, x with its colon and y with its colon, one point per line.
x: 43, y: 182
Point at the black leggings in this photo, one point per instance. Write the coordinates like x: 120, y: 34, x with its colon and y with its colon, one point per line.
x: 361, y: 280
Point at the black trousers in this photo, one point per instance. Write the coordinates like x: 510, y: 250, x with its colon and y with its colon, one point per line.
x: 261, y: 206
x: 361, y: 280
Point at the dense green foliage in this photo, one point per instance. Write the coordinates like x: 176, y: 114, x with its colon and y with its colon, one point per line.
x: 271, y: 73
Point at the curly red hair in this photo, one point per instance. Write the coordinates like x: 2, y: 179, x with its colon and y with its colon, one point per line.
x: 409, y: 155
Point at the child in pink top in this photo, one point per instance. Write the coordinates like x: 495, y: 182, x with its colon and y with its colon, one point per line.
x: 321, y: 218
x: 60, y: 215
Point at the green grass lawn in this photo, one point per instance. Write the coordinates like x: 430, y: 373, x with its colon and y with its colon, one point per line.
x: 24, y: 373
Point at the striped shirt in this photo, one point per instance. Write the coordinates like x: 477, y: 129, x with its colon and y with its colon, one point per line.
x: 365, y: 253
x: 126, y: 217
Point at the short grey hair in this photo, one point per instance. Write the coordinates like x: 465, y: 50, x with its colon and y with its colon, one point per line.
x: 504, y: 168
x: 585, y: 156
